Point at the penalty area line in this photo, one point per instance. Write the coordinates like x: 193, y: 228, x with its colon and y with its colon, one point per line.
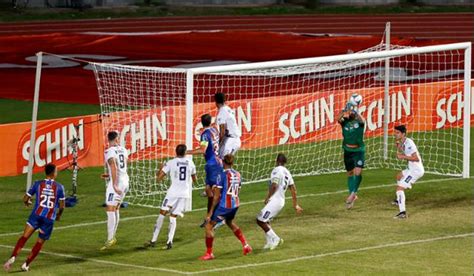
x: 242, y: 203
x: 68, y: 256
x: 336, y: 253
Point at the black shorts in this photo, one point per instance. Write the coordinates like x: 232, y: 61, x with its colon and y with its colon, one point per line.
x: 354, y: 159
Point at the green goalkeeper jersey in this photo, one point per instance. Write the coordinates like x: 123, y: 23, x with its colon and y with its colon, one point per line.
x: 353, y: 133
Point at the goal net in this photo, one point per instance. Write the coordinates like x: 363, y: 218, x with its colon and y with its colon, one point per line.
x: 291, y: 106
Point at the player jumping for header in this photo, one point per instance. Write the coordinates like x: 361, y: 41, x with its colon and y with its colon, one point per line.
x: 229, y: 132
x: 49, y: 197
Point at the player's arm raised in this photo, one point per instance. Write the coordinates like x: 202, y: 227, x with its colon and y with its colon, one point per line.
x: 298, y: 209
x: 201, y: 150
x: 114, y: 174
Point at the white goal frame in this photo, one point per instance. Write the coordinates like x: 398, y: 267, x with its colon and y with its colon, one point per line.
x: 383, y: 55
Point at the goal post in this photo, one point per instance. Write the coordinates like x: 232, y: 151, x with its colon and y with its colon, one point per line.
x: 290, y: 106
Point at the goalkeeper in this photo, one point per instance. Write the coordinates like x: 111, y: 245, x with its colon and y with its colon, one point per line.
x: 353, y: 145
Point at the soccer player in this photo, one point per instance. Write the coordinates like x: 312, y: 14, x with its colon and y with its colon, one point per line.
x: 224, y: 207
x: 182, y: 172
x: 117, y: 179
x: 280, y: 180
x: 209, y: 146
x: 229, y: 132
x: 406, y: 150
x: 352, y: 124
x: 48, y: 208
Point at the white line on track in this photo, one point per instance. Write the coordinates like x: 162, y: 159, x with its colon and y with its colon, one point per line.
x: 242, y: 203
x: 336, y: 253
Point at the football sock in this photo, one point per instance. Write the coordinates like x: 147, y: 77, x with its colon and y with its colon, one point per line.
x: 358, y: 180
x: 272, y: 234
x: 156, y: 231
x: 401, y: 200
x: 19, y: 245
x: 209, y: 242
x: 110, y: 225
x: 350, y: 184
x: 117, y: 219
x: 238, y: 233
x: 34, y: 252
x: 172, y: 229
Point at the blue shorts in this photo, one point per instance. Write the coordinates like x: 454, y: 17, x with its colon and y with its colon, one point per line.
x: 44, y: 225
x: 221, y: 214
x: 212, y: 171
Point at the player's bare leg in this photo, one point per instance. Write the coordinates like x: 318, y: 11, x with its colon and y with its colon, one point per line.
x: 112, y: 224
x: 19, y: 245
x: 209, y: 228
x: 34, y: 252
x: 247, y: 249
x: 210, y: 195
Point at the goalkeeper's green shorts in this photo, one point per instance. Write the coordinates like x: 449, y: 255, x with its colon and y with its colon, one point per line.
x: 354, y: 159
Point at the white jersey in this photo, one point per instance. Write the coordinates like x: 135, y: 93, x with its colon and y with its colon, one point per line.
x: 180, y: 171
x: 227, y: 116
x: 409, y: 148
x: 282, y: 177
x: 120, y: 154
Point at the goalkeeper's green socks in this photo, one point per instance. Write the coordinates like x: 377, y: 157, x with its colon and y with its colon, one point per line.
x: 351, y: 184
x: 357, y: 181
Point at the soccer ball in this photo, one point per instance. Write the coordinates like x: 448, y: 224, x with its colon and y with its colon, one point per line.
x: 355, y: 99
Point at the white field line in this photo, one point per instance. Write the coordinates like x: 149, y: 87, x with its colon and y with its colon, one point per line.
x: 242, y: 203
x: 336, y: 253
x: 102, y: 261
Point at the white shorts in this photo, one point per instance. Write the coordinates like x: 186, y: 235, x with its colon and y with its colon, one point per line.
x: 111, y: 197
x: 270, y: 210
x: 409, y: 178
x: 175, y: 205
x: 231, y: 146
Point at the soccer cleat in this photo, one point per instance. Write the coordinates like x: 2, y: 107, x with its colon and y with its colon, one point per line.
x: 276, y: 242
x: 350, y: 201
x: 108, y: 244
x: 247, y: 249
x: 25, y: 267
x: 149, y: 244
x: 395, y: 202
x: 219, y: 224
x: 8, y: 264
x: 207, y: 257
x: 267, y: 246
x: 401, y: 215
x: 168, y: 246
x: 203, y: 224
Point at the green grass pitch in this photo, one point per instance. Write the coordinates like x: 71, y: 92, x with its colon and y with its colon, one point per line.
x: 326, y: 239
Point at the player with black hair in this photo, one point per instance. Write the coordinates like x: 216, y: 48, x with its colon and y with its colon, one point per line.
x: 406, y: 150
x: 182, y: 172
x: 48, y: 208
x: 117, y: 180
x: 280, y: 180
